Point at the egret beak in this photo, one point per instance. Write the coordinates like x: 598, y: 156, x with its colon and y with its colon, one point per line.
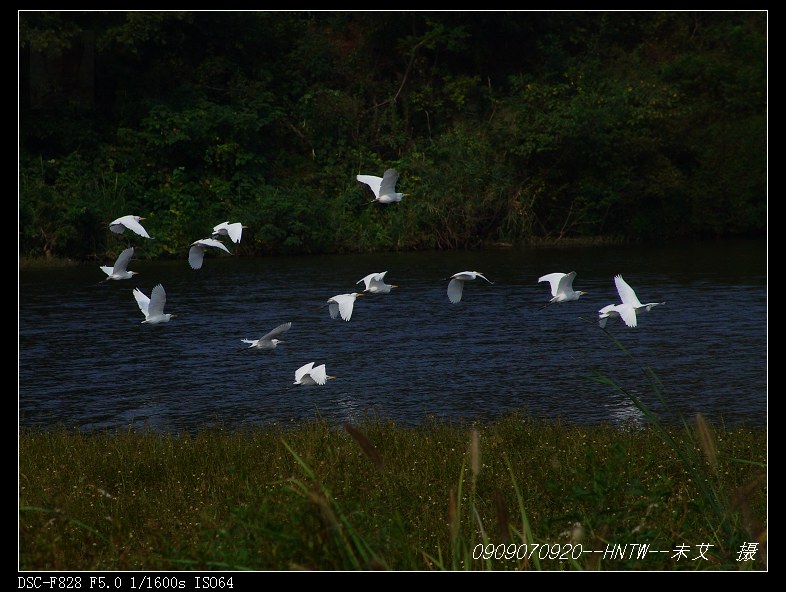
x: 394, y: 286
x: 142, y: 218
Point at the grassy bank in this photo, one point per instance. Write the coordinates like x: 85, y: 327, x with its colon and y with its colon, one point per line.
x: 378, y: 495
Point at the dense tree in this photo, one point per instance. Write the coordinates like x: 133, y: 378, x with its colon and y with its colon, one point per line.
x: 506, y: 127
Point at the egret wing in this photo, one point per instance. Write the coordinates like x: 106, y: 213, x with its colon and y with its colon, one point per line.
x: 319, y: 374
x: 367, y: 280
x: 142, y: 301
x: 606, y: 313
x: 107, y: 270
x: 565, y: 285
x: 276, y: 332
x: 122, y: 260
x: 302, y: 371
x: 345, y: 307
x: 133, y: 224
x: 333, y: 308
x: 553, y: 279
x: 117, y: 226
x: 388, y: 185
x: 628, y: 314
x: 627, y: 295
x: 196, y: 254
x: 455, y: 289
x: 211, y: 242
x: 219, y: 227
x: 376, y: 284
x: 374, y: 281
x: 157, y: 301
x: 372, y: 181
x: 233, y: 230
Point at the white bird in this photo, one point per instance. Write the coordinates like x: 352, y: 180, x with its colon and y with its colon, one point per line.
x: 268, y: 340
x: 131, y: 222
x: 308, y: 374
x: 456, y: 285
x: 119, y: 272
x: 153, y: 307
x: 384, y: 187
x: 196, y: 253
x: 234, y: 231
x: 375, y: 283
x: 630, y: 307
x: 561, y: 287
x: 343, y: 304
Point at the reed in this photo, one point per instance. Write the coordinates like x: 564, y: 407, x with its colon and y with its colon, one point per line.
x: 383, y: 496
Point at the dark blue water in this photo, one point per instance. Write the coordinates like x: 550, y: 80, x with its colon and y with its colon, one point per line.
x: 85, y: 360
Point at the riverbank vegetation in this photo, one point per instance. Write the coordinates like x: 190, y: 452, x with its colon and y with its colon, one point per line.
x: 374, y: 495
x: 505, y: 127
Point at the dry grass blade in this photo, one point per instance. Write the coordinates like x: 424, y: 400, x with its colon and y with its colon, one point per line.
x: 365, y: 444
x: 503, y: 518
x: 453, y: 515
x: 474, y: 454
x: 707, y: 441
x: 741, y: 501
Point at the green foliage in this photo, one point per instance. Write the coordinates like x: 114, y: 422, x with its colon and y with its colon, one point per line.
x: 505, y: 127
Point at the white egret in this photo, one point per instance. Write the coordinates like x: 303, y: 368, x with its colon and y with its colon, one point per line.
x: 196, y: 253
x: 119, y: 271
x: 561, y: 287
x: 384, y: 187
x: 630, y: 307
x: 234, y: 231
x: 268, y: 340
x: 308, y: 374
x: 153, y: 307
x: 342, y: 304
x: 131, y: 222
x: 375, y: 283
x: 456, y: 285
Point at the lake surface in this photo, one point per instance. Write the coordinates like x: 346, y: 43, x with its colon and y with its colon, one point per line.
x: 86, y: 360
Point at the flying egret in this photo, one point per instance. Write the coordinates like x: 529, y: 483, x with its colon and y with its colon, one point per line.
x: 268, y: 340
x: 234, y: 231
x: 561, y: 287
x: 456, y: 285
x: 344, y: 304
x: 131, y: 222
x: 119, y: 272
x: 308, y: 374
x: 384, y: 187
x: 630, y: 307
x: 375, y: 283
x: 153, y: 307
x: 196, y: 253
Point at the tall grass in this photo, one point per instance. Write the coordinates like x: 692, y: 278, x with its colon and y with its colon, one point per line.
x: 696, y: 448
